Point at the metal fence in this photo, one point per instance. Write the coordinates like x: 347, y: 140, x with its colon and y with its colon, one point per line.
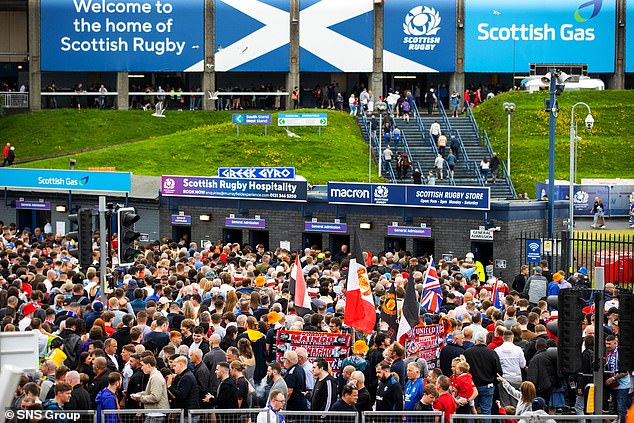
x: 249, y: 415
x: 143, y: 416
x: 13, y: 100
x: 613, y: 252
x: 401, y: 416
x: 532, y: 418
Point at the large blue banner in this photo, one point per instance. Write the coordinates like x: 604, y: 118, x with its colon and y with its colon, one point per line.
x: 629, y: 37
x: 616, y: 198
x: 64, y: 180
x: 122, y: 35
x: 336, y: 36
x: 252, y: 36
x: 507, y: 36
x: 473, y: 198
x: 419, y: 36
x: 239, y: 189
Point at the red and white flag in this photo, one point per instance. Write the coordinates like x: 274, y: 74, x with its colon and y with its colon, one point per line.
x: 298, y: 289
x: 360, y: 311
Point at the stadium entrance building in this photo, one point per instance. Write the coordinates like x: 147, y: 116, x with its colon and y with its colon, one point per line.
x: 207, y: 47
x: 424, y: 220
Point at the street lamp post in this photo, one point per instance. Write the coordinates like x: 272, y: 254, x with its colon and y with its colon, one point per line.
x: 380, y: 107
x: 551, y: 152
x: 509, y: 108
x: 571, y: 207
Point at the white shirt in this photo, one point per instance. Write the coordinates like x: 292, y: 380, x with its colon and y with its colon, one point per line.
x: 434, y: 129
x: 512, y: 361
x: 114, y: 360
x: 24, y: 323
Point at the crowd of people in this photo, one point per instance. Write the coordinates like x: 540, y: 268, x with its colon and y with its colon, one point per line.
x: 194, y: 327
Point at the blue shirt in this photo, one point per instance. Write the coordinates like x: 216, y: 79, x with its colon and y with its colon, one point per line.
x: 413, y: 393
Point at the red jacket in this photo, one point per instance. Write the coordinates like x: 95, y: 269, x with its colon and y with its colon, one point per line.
x: 496, y: 342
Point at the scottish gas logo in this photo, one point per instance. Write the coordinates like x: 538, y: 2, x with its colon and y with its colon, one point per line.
x: 421, y: 26
x: 65, y: 182
x: 596, y: 8
x: 546, y: 31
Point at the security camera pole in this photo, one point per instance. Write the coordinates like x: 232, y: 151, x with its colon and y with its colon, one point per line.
x: 571, y: 195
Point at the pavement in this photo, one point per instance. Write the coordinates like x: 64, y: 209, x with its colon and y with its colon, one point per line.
x: 615, y: 223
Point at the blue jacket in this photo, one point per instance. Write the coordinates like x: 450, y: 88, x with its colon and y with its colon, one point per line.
x: 106, y: 400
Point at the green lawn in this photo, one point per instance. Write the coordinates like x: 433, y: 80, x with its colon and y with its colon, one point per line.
x: 192, y: 143
x: 196, y: 143
x: 607, y: 151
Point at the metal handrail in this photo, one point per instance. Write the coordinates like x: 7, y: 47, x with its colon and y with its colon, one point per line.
x: 409, y: 153
x: 443, y: 114
x: 419, y: 122
x: 463, y: 151
x: 508, y: 178
x: 474, y: 124
x: 478, y: 173
x: 487, y: 144
x: 375, y: 146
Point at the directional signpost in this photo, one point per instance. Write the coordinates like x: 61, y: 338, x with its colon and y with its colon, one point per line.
x: 251, y: 119
x: 303, y: 119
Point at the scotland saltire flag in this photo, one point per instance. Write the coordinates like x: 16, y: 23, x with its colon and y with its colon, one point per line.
x: 432, y: 294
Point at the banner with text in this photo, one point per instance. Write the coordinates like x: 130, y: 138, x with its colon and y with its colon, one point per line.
x: 257, y: 172
x: 473, y: 198
x: 507, y: 36
x: 325, y: 227
x: 332, y: 347
x: 65, y: 180
x: 616, y: 198
x: 425, y: 342
x: 419, y: 37
x: 122, y: 35
x: 239, y: 189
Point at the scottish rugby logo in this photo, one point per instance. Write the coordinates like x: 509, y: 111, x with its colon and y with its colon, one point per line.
x: 381, y: 194
x: 421, y: 26
x: 168, y: 185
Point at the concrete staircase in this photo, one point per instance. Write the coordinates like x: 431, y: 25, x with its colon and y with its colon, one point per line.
x: 423, y: 152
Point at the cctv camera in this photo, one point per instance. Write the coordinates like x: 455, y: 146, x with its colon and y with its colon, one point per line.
x: 589, y: 122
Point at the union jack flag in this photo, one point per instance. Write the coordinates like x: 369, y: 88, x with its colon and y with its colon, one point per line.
x: 432, y: 294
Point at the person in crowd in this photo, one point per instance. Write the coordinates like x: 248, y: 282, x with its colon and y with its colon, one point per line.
x: 389, y: 394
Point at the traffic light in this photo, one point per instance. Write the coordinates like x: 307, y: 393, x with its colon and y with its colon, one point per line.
x: 626, y: 331
x: 569, y: 330
x: 81, y: 233
x: 126, y: 218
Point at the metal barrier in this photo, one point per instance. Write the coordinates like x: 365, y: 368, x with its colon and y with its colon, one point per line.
x: 403, y: 416
x: 319, y: 416
x: 13, y: 100
x: 461, y: 418
x: 578, y: 418
x: 143, y: 416
x: 532, y: 418
x: 246, y: 415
